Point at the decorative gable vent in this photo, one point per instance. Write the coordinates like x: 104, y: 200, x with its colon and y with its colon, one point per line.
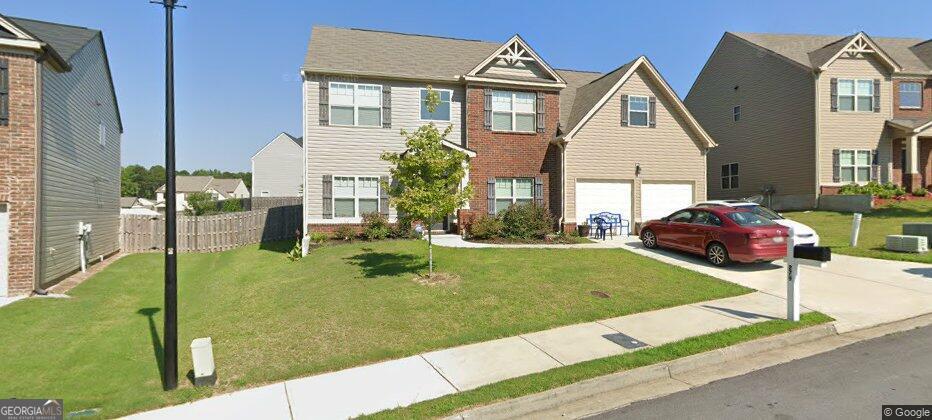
x: 857, y: 47
x: 515, y: 53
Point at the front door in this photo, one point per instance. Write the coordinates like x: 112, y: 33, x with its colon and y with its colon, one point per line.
x: 4, y: 248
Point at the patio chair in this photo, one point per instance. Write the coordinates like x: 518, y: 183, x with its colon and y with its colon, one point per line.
x: 601, y: 227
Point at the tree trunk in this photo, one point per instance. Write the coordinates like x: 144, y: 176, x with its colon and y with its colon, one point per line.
x: 430, y: 253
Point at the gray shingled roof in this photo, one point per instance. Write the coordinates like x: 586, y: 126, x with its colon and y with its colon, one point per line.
x: 65, y: 39
x: 189, y: 184
x: 574, y: 80
x: 812, y: 51
x: 224, y: 185
x: 127, y: 202
x: 910, y: 122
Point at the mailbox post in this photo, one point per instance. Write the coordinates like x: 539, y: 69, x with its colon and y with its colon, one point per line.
x: 796, y: 255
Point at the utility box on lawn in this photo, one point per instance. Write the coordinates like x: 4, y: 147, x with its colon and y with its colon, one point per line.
x: 202, y: 354
x: 908, y: 243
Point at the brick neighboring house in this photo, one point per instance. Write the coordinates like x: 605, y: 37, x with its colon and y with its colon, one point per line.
x: 59, y: 152
x: 510, y: 111
x: 803, y: 115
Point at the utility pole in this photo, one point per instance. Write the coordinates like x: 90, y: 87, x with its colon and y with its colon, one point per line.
x: 170, y: 340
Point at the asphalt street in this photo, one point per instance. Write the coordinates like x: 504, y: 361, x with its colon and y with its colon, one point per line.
x: 851, y: 382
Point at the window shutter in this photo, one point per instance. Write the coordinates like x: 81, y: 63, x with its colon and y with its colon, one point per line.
x: 541, y: 122
x: 324, y: 103
x: 491, y: 195
x: 4, y: 92
x: 834, y: 92
x: 836, y: 166
x: 875, y: 167
x: 652, y: 112
x: 624, y: 110
x: 386, y: 107
x: 488, y: 108
x: 383, y: 195
x: 539, y: 191
x: 876, y: 95
x: 328, y: 197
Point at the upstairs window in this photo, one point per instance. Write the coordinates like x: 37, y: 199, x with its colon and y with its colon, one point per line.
x: 910, y: 95
x: 856, y: 95
x: 442, y: 112
x: 514, y: 111
x: 355, y: 104
x: 102, y: 134
x: 736, y: 113
x: 729, y: 176
x: 638, y: 108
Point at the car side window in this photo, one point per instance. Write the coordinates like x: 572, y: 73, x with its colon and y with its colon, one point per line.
x: 706, y: 218
x: 682, y: 216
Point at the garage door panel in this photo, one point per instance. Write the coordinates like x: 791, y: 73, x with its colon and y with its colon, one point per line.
x: 662, y: 199
x: 599, y: 196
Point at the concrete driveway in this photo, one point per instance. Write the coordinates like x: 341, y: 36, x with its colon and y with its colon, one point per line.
x: 858, y: 292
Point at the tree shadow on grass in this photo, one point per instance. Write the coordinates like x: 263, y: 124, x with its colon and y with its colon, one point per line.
x: 157, y: 349
x: 379, y: 264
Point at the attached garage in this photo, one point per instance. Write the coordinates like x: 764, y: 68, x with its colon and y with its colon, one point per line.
x: 662, y: 199
x: 599, y: 196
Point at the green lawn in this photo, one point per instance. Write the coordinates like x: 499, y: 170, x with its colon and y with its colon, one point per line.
x: 344, y: 305
x: 835, y: 229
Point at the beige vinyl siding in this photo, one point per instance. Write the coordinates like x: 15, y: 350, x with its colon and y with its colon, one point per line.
x: 80, y: 179
x: 524, y: 69
x: 853, y: 130
x: 774, y: 141
x: 356, y: 150
x: 604, y: 150
x: 278, y: 168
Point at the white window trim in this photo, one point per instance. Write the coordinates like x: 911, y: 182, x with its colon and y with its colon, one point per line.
x: 449, y: 119
x: 102, y: 134
x: 514, y: 188
x: 514, y: 114
x: 899, y: 91
x: 730, y: 176
x: 357, y: 218
x: 355, y: 105
x: 869, y: 166
x: 856, y: 94
x: 736, y: 113
x: 645, y: 112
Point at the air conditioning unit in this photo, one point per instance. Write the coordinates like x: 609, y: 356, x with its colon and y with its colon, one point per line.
x: 908, y: 243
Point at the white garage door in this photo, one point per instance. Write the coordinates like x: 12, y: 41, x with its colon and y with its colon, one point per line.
x: 599, y: 196
x: 659, y: 200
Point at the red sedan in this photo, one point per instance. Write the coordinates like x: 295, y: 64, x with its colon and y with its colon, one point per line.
x: 722, y: 234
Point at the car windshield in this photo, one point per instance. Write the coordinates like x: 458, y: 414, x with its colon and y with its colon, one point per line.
x: 764, y: 211
x: 747, y: 218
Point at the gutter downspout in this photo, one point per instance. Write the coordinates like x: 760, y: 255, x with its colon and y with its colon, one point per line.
x: 39, y: 242
x: 818, y: 146
x: 561, y: 143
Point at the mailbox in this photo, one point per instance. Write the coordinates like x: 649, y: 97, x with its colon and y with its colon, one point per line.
x: 814, y: 253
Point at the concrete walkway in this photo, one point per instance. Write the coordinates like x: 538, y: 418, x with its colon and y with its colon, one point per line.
x: 858, y: 292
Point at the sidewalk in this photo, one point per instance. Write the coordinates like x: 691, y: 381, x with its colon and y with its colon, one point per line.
x: 372, y: 388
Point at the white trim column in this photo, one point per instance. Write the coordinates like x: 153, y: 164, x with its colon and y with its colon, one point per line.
x: 912, y: 154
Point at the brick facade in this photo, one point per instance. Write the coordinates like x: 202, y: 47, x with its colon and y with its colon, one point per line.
x: 18, y: 183
x: 511, y: 155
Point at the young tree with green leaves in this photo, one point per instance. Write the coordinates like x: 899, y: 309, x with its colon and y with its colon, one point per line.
x: 427, y: 177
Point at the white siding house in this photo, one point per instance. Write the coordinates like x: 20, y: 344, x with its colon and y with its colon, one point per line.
x: 277, y: 168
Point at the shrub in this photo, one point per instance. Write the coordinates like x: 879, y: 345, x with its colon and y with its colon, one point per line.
x: 920, y: 192
x: 402, y: 229
x: 295, y: 253
x: 318, y: 237
x: 485, y: 227
x: 231, y: 206
x: 526, y: 221
x: 201, y: 203
x: 874, y: 188
x: 344, y: 233
x: 375, y: 226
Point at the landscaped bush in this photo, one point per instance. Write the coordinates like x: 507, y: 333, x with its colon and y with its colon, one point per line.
x: 403, y: 228
x: 375, y: 226
x: 318, y: 237
x: 526, y: 221
x: 231, y: 206
x: 920, y: 192
x: 344, y: 233
x: 485, y: 227
x: 874, y: 188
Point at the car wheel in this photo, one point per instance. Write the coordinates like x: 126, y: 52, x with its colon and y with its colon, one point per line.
x: 717, y: 254
x: 649, y: 239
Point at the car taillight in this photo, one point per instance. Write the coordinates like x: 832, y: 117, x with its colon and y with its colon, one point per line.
x: 757, y: 235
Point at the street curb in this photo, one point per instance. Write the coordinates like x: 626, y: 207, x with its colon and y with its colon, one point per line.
x: 558, y: 397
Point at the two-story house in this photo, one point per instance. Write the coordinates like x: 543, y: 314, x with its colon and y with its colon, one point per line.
x: 218, y: 188
x: 59, y: 153
x: 574, y: 142
x: 798, y: 116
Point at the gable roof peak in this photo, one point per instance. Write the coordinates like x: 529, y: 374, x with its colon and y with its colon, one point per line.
x: 513, y: 51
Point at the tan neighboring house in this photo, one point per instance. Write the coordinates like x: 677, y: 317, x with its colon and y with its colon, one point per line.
x: 219, y: 189
x: 798, y: 116
x: 59, y: 153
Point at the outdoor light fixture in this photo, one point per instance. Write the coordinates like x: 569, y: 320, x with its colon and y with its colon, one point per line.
x: 202, y: 354
x: 637, y: 169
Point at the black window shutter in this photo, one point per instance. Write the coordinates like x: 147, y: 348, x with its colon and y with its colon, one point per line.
x: 876, y: 95
x: 4, y: 92
x: 624, y: 110
x: 836, y: 166
x: 386, y: 106
x: 487, y: 94
x: 328, y: 197
x: 652, y: 112
x: 875, y: 166
x: 383, y: 195
x: 541, y: 121
x: 539, y: 191
x: 833, y: 90
x: 491, y: 195
x: 324, y: 103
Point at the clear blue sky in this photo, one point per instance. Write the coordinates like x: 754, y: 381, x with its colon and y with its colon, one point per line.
x: 237, y: 61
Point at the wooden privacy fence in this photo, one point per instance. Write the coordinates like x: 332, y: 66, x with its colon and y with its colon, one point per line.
x: 218, y: 232
x: 262, y: 203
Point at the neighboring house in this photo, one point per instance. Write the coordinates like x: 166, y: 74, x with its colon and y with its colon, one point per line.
x: 219, y: 189
x: 138, y: 206
x: 59, y: 152
x: 510, y: 112
x: 803, y: 115
x: 277, y: 168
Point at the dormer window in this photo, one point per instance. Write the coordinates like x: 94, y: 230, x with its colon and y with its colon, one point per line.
x: 856, y: 95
